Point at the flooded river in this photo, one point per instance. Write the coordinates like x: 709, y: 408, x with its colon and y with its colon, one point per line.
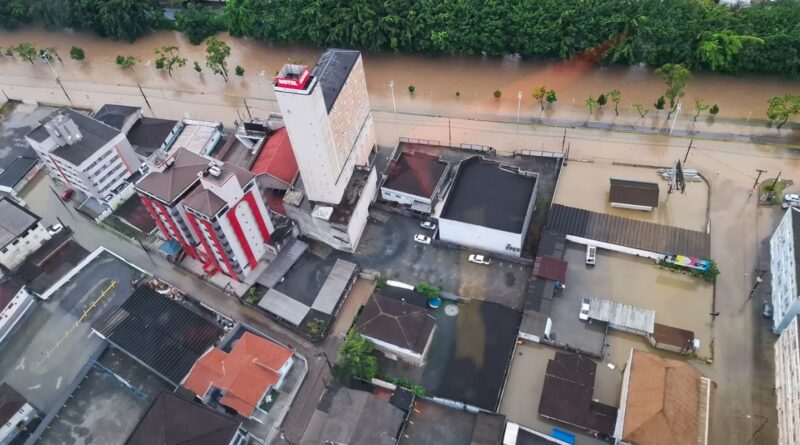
x: 437, y: 79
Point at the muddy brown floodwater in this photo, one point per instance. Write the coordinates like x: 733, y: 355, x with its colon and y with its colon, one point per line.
x: 437, y: 79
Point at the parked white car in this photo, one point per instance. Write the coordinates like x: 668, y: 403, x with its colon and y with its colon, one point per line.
x: 422, y: 239
x: 479, y: 259
x: 591, y: 255
x: 584, y: 314
x: 428, y: 225
x: 54, y: 229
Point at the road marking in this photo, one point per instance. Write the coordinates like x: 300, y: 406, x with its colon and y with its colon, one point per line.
x: 58, y: 383
x: 21, y: 365
x: 31, y: 388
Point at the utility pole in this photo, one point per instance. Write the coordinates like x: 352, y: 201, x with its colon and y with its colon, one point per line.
x: 246, y: 107
x: 755, y: 184
x: 564, y: 140
x: 145, y: 98
x: 687, y: 151
x: 394, y: 104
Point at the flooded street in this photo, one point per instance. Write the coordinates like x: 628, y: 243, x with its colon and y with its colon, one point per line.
x: 436, y: 79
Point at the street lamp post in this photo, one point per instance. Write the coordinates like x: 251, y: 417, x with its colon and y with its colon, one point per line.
x: 519, y: 104
x: 394, y: 104
x: 675, y: 119
x: 263, y: 76
x: 155, y: 78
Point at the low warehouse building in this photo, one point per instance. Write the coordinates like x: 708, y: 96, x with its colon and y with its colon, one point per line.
x: 489, y: 206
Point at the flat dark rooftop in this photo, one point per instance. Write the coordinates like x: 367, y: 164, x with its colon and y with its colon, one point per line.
x: 567, y: 394
x: 16, y: 170
x: 15, y: 220
x: 486, y: 194
x: 642, y: 193
x: 416, y: 174
x: 115, y: 115
x: 332, y: 70
x: 627, y: 232
x: 148, y: 133
x: 159, y: 332
x: 134, y: 213
x: 52, y: 261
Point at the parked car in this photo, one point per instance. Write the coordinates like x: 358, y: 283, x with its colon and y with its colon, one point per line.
x: 767, y: 310
x: 67, y: 194
x: 55, y: 228
x: 428, y: 225
x: 479, y: 259
x: 591, y: 255
x: 791, y: 200
x: 422, y: 239
x: 584, y: 314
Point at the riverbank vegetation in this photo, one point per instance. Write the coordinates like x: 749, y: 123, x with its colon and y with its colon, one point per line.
x: 699, y: 34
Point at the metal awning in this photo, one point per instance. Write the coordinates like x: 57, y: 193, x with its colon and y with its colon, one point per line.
x: 284, y: 306
x: 334, y: 286
x: 623, y: 317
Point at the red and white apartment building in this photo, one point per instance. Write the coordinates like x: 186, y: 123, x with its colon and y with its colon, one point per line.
x: 213, y: 210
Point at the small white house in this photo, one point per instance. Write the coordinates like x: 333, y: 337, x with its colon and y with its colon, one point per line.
x: 15, y: 413
x: 21, y: 233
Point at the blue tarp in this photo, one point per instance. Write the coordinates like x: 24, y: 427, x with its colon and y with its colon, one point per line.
x: 564, y: 436
x: 170, y: 247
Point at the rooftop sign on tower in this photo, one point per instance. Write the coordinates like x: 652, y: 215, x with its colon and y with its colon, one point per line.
x: 293, y: 77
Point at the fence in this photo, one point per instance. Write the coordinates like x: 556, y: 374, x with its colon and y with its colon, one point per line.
x: 540, y: 154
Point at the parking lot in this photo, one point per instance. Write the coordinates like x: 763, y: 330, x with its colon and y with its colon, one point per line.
x: 388, y: 247
x: 586, y: 185
x: 103, y: 410
x: 679, y: 300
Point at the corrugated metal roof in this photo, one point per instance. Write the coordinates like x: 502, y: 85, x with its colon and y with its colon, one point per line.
x: 622, y: 316
x: 627, y: 232
x: 161, y: 333
x: 284, y: 306
x: 334, y: 286
x: 626, y: 191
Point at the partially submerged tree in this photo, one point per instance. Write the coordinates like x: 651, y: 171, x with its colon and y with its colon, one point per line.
x: 641, y: 110
x: 699, y: 107
x: 126, y: 62
x: 216, y: 53
x: 239, y: 71
x: 26, y: 51
x: 591, y: 104
x: 169, y: 58
x: 601, y: 100
x: 539, y: 94
x: 659, y: 105
x: 551, y: 97
x: 675, y: 77
x: 615, y: 97
x: 77, y: 53
x: 497, y: 94
x: 782, y: 108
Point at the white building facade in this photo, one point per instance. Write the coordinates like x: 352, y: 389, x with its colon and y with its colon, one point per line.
x: 787, y: 384
x: 783, y: 267
x: 84, y: 154
x: 15, y: 309
x: 21, y: 233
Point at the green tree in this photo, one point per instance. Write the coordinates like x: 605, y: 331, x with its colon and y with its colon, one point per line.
x: 615, y: 97
x: 675, y: 77
x: 601, y: 100
x: 216, y: 53
x: 126, y: 62
x: 77, y: 53
x: 198, y: 22
x: 591, y: 104
x: 119, y: 19
x: 357, y: 359
x: 197, y: 67
x: 539, y: 94
x: 717, y: 50
x: 497, y: 94
x: 641, y: 110
x: 169, y: 58
x: 783, y: 108
x: 13, y: 13
x: 699, y: 107
x: 428, y: 290
x: 551, y: 97
x: 26, y: 51
x: 714, y: 110
x: 659, y: 105
x: 411, y: 89
x: 239, y: 71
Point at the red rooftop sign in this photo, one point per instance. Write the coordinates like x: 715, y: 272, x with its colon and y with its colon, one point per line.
x: 293, y: 79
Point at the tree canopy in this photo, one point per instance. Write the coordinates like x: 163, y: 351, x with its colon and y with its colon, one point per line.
x: 217, y: 52
x: 782, y: 108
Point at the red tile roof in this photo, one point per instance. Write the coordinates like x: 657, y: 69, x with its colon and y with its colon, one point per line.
x: 276, y: 158
x: 245, y: 373
x: 550, y: 268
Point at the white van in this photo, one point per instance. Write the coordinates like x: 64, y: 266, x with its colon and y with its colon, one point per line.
x: 591, y: 255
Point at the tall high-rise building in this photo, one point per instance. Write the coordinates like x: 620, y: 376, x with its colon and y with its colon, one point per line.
x: 328, y: 118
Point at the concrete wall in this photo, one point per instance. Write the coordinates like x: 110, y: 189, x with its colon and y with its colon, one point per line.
x: 784, y: 275
x: 480, y: 237
x: 361, y: 213
x: 787, y: 384
x: 13, y: 255
x: 394, y: 352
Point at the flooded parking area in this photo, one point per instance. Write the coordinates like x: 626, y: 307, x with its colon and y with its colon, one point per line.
x: 586, y: 185
x: 679, y: 300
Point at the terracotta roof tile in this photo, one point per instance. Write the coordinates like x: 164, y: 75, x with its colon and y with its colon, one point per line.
x: 276, y: 158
